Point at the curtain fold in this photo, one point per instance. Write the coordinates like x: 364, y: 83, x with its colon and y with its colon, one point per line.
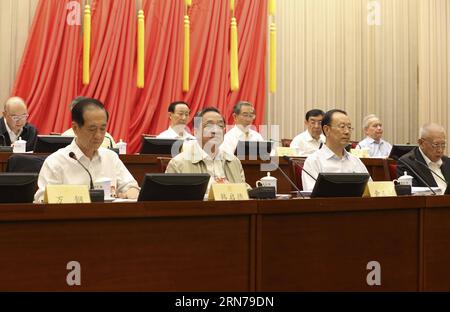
x: 50, y: 73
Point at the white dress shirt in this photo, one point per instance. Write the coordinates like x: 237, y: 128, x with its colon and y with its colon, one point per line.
x: 59, y: 168
x: 236, y: 134
x: 12, y: 136
x: 436, y: 167
x: 376, y: 149
x: 326, y: 161
x: 305, y: 144
x: 172, y: 134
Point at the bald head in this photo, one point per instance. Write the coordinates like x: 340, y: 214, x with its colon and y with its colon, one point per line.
x: 432, y: 141
x: 15, y: 113
x: 431, y: 129
x: 15, y: 104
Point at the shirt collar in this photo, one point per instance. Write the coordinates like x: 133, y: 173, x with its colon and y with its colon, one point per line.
x: 309, y: 137
x: 79, y: 153
x: 372, y: 141
x: 328, y: 153
x: 10, y: 132
x: 196, y: 154
x: 428, y: 161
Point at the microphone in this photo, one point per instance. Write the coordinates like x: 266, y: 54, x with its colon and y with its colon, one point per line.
x: 447, y: 190
x: 288, y: 159
x: 110, y: 142
x: 414, y: 172
x: 96, y: 195
x: 3, y: 140
x: 411, y: 157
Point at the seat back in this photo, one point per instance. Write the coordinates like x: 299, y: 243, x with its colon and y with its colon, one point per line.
x: 163, y: 163
x: 25, y: 163
x: 286, y: 142
x: 390, y: 169
x: 297, y: 164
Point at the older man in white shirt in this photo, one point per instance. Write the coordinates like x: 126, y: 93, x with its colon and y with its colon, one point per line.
x: 179, y: 116
x: 332, y: 157
x: 89, y: 120
x: 312, y: 138
x: 373, y: 129
x: 244, y: 115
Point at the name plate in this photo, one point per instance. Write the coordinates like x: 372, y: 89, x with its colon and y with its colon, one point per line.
x: 286, y: 151
x: 230, y: 191
x: 67, y: 194
x: 380, y: 189
x: 360, y: 153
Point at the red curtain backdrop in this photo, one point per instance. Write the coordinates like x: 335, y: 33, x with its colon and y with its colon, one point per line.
x: 50, y: 73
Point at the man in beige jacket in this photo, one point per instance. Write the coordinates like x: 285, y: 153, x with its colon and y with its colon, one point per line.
x: 204, y: 156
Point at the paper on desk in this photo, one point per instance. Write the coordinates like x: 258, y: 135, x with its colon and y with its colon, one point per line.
x: 124, y: 200
x: 425, y: 190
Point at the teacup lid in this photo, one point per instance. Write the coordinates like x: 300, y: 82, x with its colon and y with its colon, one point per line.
x: 268, y: 177
x: 20, y: 141
x: 405, y: 176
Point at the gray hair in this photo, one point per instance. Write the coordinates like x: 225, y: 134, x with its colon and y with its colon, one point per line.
x: 367, y: 119
x: 238, y: 106
x: 426, y: 128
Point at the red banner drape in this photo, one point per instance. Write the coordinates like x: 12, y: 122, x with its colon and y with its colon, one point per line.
x: 50, y: 72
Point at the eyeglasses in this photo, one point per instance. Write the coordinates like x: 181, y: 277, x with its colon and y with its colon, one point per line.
x: 437, y: 145
x: 19, y: 117
x: 315, y: 122
x: 181, y: 114
x: 246, y: 115
x: 342, y: 127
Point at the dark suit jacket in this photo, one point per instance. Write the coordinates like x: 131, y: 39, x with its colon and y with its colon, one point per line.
x: 421, y: 170
x: 29, y: 134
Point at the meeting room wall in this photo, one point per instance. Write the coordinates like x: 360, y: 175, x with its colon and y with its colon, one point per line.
x: 391, y: 58
x: 16, y: 17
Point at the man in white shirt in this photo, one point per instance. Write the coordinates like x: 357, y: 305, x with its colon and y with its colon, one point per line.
x: 204, y: 155
x: 89, y: 120
x: 179, y: 116
x: 108, y: 141
x: 312, y: 138
x: 332, y: 157
x: 244, y: 115
x: 373, y: 128
x: 428, y: 160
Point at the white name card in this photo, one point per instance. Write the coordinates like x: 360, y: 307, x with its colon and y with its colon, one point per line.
x: 228, y: 191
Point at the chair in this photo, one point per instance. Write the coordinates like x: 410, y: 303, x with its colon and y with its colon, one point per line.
x: 25, y: 163
x: 296, y: 170
x: 390, y: 169
x: 286, y: 142
x: 163, y: 163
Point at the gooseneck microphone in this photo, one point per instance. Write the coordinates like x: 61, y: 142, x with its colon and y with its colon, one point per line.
x: 288, y: 159
x: 414, y: 172
x: 412, y: 158
x: 96, y: 195
x: 72, y: 155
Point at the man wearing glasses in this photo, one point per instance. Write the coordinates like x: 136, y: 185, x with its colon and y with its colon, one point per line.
x: 204, y: 156
x: 428, y: 158
x: 244, y: 115
x: 332, y: 157
x: 14, y: 124
x: 179, y: 116
x: 312, y: 138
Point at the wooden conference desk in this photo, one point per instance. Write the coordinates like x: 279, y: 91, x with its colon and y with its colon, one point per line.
x: 139, y: 165
x: 295, y: 245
